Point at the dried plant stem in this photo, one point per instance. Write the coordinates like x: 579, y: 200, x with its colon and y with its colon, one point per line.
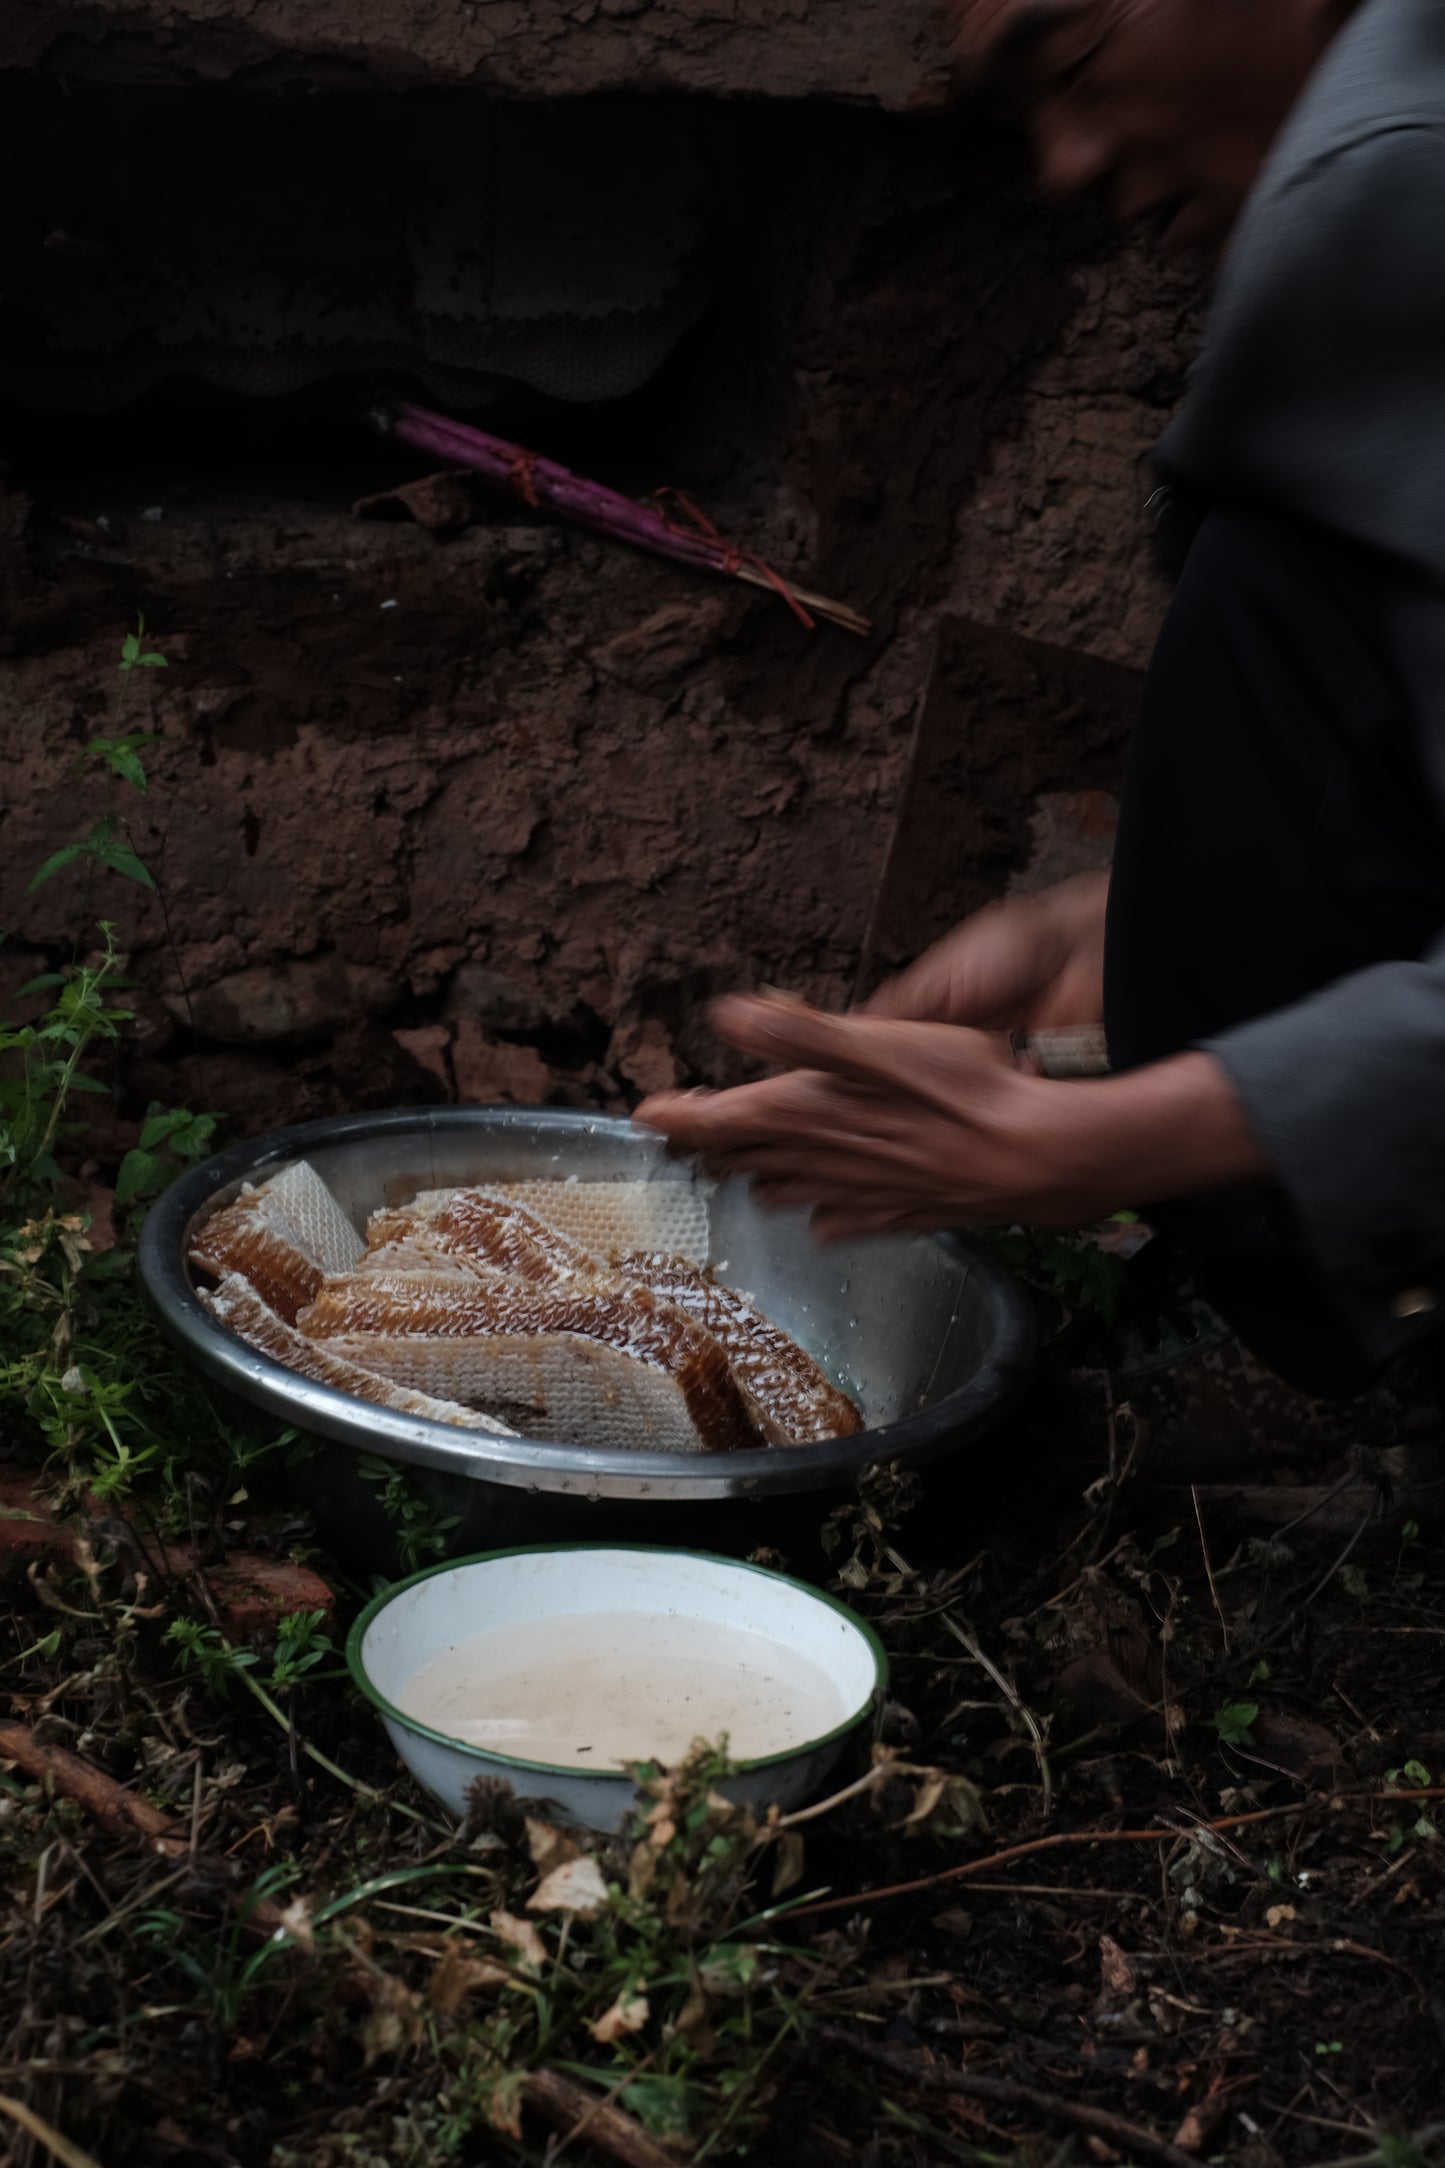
x: 56, y: 2144
x: 971, y: 1869
x: 1008, y: 2093
x: 1209, y: 1567
x: 1015, y: 1701
x: 118, y: 1810
x: 879, y: 1774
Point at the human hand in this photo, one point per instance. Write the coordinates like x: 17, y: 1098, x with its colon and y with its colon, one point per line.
x: 1032, y: 964
x: 892, y: 1126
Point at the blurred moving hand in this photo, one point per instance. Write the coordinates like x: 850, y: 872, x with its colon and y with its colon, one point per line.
x: 1035, y: 964
x: 887, y: 1125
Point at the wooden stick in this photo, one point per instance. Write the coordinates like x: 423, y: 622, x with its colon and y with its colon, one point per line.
x: 565, y: 2104
x: 1008, y: 2093
x: 119, y: 1812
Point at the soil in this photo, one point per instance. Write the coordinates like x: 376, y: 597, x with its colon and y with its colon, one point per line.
x: 1255, y: 1979
x: 894, y: 53
x: 489, y: 810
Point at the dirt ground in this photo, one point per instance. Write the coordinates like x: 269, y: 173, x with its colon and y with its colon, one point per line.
x: 1140, y: 1885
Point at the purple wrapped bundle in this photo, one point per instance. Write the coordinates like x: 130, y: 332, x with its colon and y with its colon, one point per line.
x: 545, y: 486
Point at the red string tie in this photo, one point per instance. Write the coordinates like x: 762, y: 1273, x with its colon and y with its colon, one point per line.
x: 731, y: 558
x: 522, y: 477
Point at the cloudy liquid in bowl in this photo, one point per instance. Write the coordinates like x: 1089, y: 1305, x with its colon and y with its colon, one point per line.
x: 592, y: 1689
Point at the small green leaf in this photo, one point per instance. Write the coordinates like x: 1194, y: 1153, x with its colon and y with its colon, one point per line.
x: 1233, y: 1722
x: 127, y: 765
x: 664, y: 2106
x: 122, y: 859
x: 55, y: 863
x: 141, y: 1175
x: 129, y: 651
x: 160, y: 1124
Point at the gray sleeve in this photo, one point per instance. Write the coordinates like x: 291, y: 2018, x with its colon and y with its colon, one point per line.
x: 1345, y: 1092
x: 1319, y: 390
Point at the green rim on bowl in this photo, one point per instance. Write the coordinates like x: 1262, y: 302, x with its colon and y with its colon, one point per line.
x: 387, y: 1596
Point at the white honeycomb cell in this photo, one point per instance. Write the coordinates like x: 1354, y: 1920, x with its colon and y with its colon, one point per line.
x: 610, y: 1218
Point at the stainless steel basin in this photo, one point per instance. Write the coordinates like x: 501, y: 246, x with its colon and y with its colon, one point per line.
x: 933, y: 1337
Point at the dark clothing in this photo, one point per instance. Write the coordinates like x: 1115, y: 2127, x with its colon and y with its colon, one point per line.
x: 1319, y: 389
x: 1280, y: 891
x: 1284, y: 829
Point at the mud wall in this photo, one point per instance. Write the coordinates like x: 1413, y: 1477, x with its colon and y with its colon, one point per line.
x: 889, y: 53
x: 491, y: 813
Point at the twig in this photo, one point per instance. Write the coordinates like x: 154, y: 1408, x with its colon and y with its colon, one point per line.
x: 1209, y: 1566
x: 56, y: 2144
x: 1008, y: 2093
x: 562, y: 2103
x: 881, y: 1773
x: 1015, y: 1701
x: 970, y: 1869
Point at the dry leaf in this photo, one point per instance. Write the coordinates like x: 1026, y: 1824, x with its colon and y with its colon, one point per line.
x: 1202, y: 2120
x: 458, y: 1976
x: 694, y: 2024
x: 296, y: 1922
x: 642, y: 1869
x: 1116, y: 1971
x: 504, y: 2102
x: 394, y: 2020
x: 628, y: 2015
x: 682, y: 1908
x: 576, y: 1886
x: 789, y: 1868
x: 549, y: 1846
x: 521, y: 1936
x: 950, y: 1800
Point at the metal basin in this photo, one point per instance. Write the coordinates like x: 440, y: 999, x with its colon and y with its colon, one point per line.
x: 933, y: 1337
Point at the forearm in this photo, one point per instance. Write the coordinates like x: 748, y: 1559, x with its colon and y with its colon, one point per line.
x: 1173, y: 1129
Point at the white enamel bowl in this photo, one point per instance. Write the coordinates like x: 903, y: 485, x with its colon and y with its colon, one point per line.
x: 409, y: 1625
